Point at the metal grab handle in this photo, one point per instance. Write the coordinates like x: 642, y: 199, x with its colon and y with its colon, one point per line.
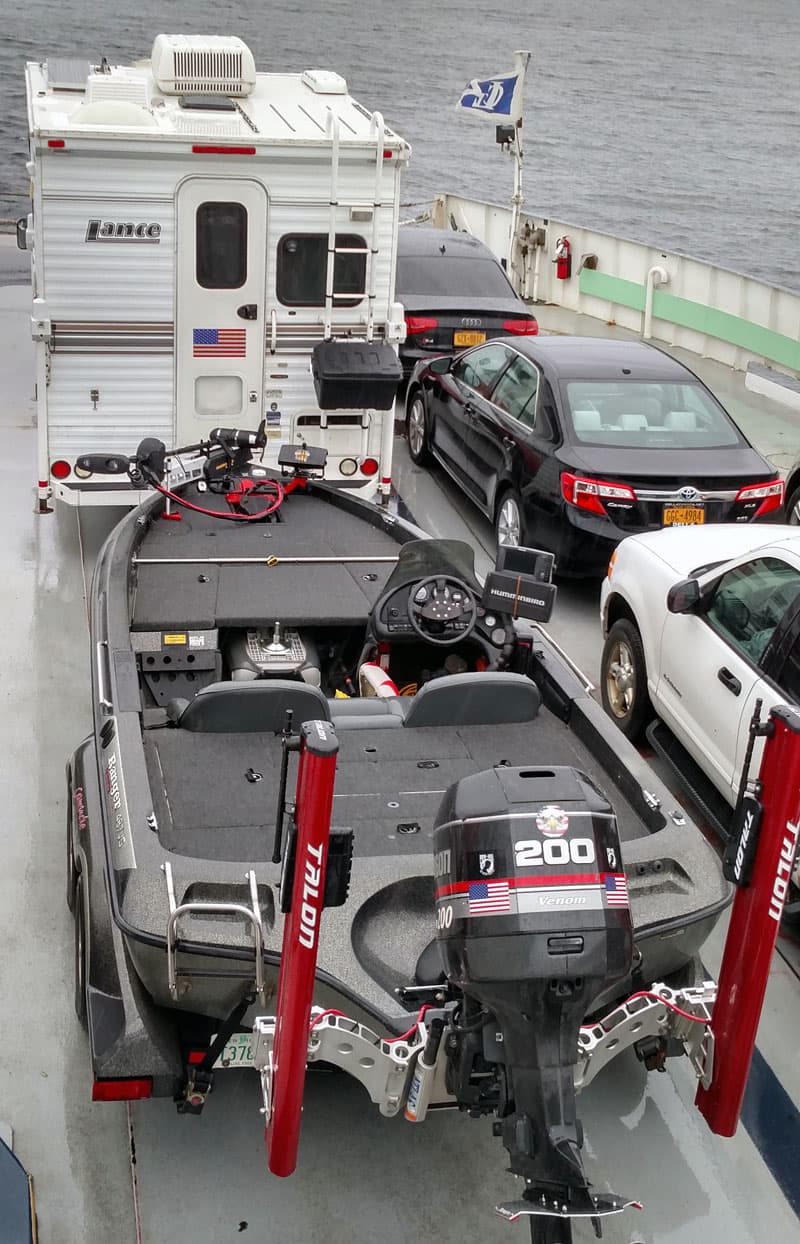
x: 216, y: 909
x: 101, y: 658
x: 273, y: 331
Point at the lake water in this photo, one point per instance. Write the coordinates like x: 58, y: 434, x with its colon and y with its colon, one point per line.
x: 672, y: 123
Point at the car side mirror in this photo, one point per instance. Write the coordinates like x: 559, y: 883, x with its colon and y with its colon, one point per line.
x: 683, y: 597
x: 440, y: 366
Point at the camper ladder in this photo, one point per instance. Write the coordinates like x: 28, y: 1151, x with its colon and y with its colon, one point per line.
x: 179, y: 982
x: 376, y: 130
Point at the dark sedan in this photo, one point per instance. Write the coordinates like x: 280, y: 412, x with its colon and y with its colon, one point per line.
x: 571, y: 443
x: 454, y: 293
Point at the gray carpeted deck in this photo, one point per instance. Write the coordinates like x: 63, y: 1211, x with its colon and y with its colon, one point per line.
x: 387, y: 781
x: 205, y: 595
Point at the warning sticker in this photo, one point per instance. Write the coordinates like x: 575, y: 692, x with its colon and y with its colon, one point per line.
x: 174, y: 639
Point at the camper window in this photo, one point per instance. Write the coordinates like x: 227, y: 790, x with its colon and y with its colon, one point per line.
x: 221, y: 245
x: 302, y: 267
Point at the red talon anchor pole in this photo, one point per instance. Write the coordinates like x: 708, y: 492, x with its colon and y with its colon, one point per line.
x: 315, y: 778
x: 755, y: 919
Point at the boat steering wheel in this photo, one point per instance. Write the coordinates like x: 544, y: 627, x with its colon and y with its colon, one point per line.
x: 442, y: 610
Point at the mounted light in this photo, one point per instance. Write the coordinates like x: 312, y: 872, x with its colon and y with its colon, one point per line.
x: 528, y: 327
x: 199, y: 149
x: 56, y: 144
x: 770, y: 495
x: 369, y: 466
x: 348, y: 466
x: 82, y: 473
x: 122, y: 1090
x: 594, y: 494
x: 420, y: 324
x: 60, y: 469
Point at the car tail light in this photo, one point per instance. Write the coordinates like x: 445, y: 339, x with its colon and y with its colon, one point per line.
x: 369, y: 466
x: 420, y: 324
x: 60, y: 469
x: 593, y: 494
x: 770, y: 495
x: 521, y: 328
x: 122, y: 1090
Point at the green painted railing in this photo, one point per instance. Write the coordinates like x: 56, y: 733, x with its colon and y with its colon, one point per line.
x: 688, y: 314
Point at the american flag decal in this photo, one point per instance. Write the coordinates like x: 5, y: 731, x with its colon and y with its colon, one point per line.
x: 219, y: 343
x: 616, y: 889
x: 488, y: 897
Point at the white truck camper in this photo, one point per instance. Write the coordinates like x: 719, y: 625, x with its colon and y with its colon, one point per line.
x: 198, y: 230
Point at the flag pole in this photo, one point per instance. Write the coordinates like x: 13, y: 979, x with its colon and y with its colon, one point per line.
x: 521, y: 60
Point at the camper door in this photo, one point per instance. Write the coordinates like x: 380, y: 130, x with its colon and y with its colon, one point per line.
x: 219, y: 321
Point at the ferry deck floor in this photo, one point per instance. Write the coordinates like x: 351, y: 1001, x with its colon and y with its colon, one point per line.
x: 147, y: 1176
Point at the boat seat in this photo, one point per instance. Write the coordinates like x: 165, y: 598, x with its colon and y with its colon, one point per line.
x: 473, y: 699
x: 250, y: 707
x: 367, y: 713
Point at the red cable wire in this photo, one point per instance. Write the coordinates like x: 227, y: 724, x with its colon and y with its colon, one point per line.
x: 413, y: 1029
x: 237, y: 518
x: 318, y: 1018
x: 648, y: 993
x: 389, y: 1040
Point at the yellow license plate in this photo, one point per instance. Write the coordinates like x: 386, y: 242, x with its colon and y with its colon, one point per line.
x: 468, y: 339
x: 684, y: 515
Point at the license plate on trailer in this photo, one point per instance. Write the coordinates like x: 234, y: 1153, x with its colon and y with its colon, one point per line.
x: 684, y: 515
x: 468, y: 339
x: 238, y: 1052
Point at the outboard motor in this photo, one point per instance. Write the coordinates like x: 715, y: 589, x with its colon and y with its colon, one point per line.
x: 534, y: 924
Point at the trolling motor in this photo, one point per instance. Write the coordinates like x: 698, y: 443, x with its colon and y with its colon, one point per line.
x: 228, y: 470
x: 533, y: 925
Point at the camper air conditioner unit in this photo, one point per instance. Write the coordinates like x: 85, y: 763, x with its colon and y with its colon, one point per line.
x: 202, y: 65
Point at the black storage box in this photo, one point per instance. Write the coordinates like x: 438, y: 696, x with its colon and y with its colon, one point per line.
x: 355, y: 375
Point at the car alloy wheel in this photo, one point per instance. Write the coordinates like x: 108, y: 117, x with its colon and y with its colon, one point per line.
x: 624, y: 679
x: 792, y: 509
x: 417, y: 430
x: 509, y: 522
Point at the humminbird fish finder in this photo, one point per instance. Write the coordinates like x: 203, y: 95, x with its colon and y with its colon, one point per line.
x: 521, y: 584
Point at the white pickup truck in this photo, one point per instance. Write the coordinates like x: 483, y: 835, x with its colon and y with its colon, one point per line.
x: 699, y: 624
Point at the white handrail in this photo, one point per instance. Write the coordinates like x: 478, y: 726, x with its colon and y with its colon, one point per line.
x: 377, y: 129
x: 332, y: 131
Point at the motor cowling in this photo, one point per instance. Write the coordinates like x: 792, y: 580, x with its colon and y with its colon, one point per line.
x: 533, y: 925
x: 529, y: 880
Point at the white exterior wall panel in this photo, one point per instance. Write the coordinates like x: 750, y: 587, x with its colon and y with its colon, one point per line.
x: 112, y: 281
x: 135, y: 399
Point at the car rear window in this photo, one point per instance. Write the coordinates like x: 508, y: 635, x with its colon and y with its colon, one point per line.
x: 452, y: 276
x: 648, y: 415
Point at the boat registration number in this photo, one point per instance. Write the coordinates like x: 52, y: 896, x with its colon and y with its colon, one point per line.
x: 468, y: 339
x: 684, y: 515
x: 238, y: 1052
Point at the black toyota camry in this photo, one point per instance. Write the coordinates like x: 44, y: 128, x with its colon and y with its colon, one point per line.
x: 571, y: 443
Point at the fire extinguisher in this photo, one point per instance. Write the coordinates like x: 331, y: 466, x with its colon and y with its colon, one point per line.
x: 563, y: 259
